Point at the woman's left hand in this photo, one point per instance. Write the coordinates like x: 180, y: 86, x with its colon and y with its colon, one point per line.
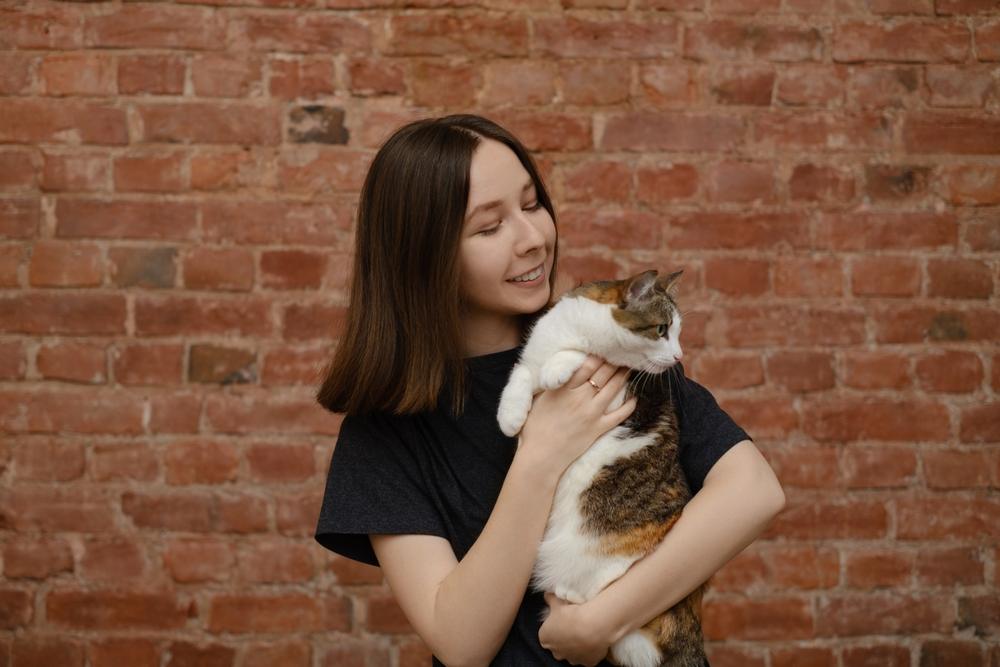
x: 569, y: 635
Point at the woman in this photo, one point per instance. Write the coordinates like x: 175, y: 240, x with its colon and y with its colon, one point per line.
x: 454, y: 225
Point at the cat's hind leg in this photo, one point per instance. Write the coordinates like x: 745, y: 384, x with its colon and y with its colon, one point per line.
x: 559, y: 368
x: 515, y: 400
x: 636, y: 649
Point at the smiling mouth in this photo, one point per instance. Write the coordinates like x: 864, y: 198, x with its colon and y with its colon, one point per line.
x: 529, y: 275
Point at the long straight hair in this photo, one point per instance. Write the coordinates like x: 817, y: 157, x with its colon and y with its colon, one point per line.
x: 402, y: 342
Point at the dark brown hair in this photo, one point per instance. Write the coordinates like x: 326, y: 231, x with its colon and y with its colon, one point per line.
x: 402, y: 339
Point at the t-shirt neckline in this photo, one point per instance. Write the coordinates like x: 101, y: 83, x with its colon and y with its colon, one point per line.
x: 494, y: 359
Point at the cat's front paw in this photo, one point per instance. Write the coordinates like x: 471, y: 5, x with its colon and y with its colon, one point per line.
x: 569, y: 594
x: 511, y: 417
x: 560, y: 368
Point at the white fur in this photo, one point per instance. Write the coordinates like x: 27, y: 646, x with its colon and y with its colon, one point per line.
x: 569, y: 561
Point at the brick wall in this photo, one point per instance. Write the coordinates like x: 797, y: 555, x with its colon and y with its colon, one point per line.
x: 177, y: 191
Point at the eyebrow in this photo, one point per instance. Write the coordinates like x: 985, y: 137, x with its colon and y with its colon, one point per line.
x: 485, y: 206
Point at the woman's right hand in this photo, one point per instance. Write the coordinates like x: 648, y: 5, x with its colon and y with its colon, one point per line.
x: 564, y: 422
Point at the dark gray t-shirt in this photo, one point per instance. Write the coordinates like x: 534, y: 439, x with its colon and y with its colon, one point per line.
x: 437, y: 474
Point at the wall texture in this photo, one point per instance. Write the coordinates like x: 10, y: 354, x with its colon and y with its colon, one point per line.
x: 177, y: 191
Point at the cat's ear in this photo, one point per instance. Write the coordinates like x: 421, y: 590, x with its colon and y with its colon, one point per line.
x: 669, y: 283
x: 640, y: 287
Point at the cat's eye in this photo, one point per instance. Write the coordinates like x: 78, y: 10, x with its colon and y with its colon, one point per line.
x: 661, y: 330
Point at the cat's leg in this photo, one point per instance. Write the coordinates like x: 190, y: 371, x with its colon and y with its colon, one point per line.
x: 515, y: 401
x: 609, y: 570
x: 559, y: 368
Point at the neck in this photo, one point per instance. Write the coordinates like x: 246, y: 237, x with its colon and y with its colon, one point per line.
x: 489, y: 335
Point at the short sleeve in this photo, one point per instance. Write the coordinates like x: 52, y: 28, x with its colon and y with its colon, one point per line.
x: 706, y: 431
x: 373, y: 486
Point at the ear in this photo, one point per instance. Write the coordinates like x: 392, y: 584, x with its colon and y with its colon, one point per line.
x: 640, y: 287
x: 669, y: 283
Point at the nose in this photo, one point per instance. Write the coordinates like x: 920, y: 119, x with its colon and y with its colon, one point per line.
x: 529, y: 237
x: 677, y: 357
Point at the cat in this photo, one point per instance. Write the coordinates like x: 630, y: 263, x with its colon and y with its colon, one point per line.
x: 614, y: 504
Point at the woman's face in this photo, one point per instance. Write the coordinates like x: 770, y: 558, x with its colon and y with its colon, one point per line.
x: 511, y: 238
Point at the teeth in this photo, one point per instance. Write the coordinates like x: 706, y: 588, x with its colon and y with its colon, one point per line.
x: 528, y: 276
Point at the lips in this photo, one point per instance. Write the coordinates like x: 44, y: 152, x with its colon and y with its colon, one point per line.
x: 528, y: 272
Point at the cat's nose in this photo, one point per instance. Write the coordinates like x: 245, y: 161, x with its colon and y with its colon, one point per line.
x: 677, y: 357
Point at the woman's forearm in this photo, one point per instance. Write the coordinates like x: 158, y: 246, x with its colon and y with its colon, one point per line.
x: 477, y: 602
x: 729, y: 512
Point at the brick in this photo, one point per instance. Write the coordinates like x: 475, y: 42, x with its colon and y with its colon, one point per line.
x: 72, y: 361
x: 979, y: 235
x: 281, y: 463
x: 15, y: 608
x: 957, y: 469
x: 950, y: 371
x: 803, y: 567
x: 729, y: 371
x: 385, y: 616
x: 600, y: 180
x: 19, y: 217
x: 225, y: 170
x: 951, y: 653
x: 46, y: 650
x: 42, y: 27
x: 62, y: 264
x: 726, y: 656
x: 252, y: 222
x: 38, y: 557
x: 889, y: 182
x: 18, y: 170
x: 354, y: 653
x: 885, y: 277
x: 77, y: 73
x: 779, y: 130
x: 879, y: 568
x: 309, y: 77
x: 350, y: 572
x: 528, y: 83
x: 321, y: 170
x: 981, y: 612
x: 175, y: 511
x: 197, y: 559
x: 371, y: 77
x: 980, y: 423
x: 317, y: 124
x: 818, y: 520
x: 808, y: 277
x: 242, y: 316
x: 667, y: 85
x: 544, y: 131
x: 107, y: 610
x: 175, y: 413
x: 949, y: 566
x: 729, y: 231
x: 312, y: 321
x: 801, y: 371
x: 211, y: 123
x: 821, y: 183
x: 443, y: 83
x: 76, y: 172
x: 112, y: 652
x: 920, y: 323
x: 226, y: 75
x: 876, y: 656
x: 16, y: 72
x: 214, y: 364
x: 876, y: 370
x: 849, y: 419
x: 244, y: 614
x: 811, y: 85
x: 159, y: 74
x: 882, y: 613
x: 67, y: 120
x: 744, y: 573
x: 150, y: 173
x: 288, y: 653
x: 73, y: 314
x: 201, y: 462
x: 902, y: 7
x: 670, y: 131
x: 881, y: 86
x: 765, y: 417
x: 940, y: 133
x: 886, y: 231
x: 658, y: 184
x: 148, y: 267
x: 415, y: 653
x: 743, y: 85
x: 48, y: 460
x: 82, y: 218
x: 974, y: 185
x: 737, y: 277
x: 752, y: 326
x: 111, y: 462
x: 780, y: 617
x: 958, y: 86
x: 945, y: 518
x: 218, y: 268
x: 308, y: 32
x: 738, y: 40
x: 13, y: 362
x: 235, y: 415
x: 54, y: 509
x: 912, y: 40
x: 243, y: 513
x: 118, y: 559
x: 803, y: 656
x: 204, y: 655
x: 986, y: 40
x: 741, y: 182
x: 148, y: 27
x: 959, y: 279
x: 879, y: 467
x: 274, y: 560
x: 283, y: 367
x: 435, y: 35
x: 12, y: 255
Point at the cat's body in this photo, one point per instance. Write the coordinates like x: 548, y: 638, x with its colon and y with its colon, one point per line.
x: 615, y: 503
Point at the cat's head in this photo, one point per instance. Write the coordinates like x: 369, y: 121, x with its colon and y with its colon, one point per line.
x: 645, y: 321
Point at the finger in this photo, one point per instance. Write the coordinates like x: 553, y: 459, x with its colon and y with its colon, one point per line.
x: 603, y: 374
x: 614, y: 384
x: 619, y: 414
x: 586, y: 369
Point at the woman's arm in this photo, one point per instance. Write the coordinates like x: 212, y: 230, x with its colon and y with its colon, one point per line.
x: 740, y: 497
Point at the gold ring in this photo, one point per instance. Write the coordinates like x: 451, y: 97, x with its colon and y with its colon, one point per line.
x: 594, y: 384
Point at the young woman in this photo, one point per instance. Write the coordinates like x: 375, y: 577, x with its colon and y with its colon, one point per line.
x: 454, y: 226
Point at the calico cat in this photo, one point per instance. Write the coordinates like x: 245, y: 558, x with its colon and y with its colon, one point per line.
x: 615, y: 503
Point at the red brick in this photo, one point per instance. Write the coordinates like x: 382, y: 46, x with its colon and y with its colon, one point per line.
x: 16, y: 72
x: 743, y: 85
x: 729, y: 371
x: 821, y: 183
x: 973, y: 184
x: 803, y: 656
x: 307, y: 32
x: 812, y: 520
x: 765, y: 417
x: 226, y: 75
x: 952, y: 371
x: 986, y: 39
x: 74, y: 314
x: 288, y: 654
x: 881, y: 613
x: 195, y: 559
x: 243, y: 513
x: 731, y: 656
x: 741, y: 182
x: 585, y: 227
x: 116, y: 559
x: 946, y: 518
x: 77, y: 73
x: 62, y: 121
x: 879, y: 467
x: 218, y: 268
x: 890, y: 182
x: 805, y: 466
x: 737, y: 277
x: 175, y: 413
x: 187, y: 512
x: 48, y: 460
x: 63, y: 264
x: 811, y: 85
x: 876, y: 656
x: 567, y: 37
x: 803, y: 567
x: 444, y: 83
x: 12, y: 255
x: 210, y: 123
x: 252, y: 222
x: 15, y: 608
x: 150, y: 173
x: 808, y: 277
x: 738, y: 40
x: 902, y: 7
x: 522, y: 83
x: 296, y: 514
x: 42, y: 27
x: 801, y: 371
x: 76, y: 218
x: 19, y: 217
x: 792, y: 326
x: 148, y: 27
x: 879, y: 567
x: 663, y: 85
x: 904, y: 323
x: 203, y: 655
x: 13, y: 362
x: 150, y: 365
x: 110, y: 462
x: 670, y: 131
x: 354, y: 653
x: 959, y: 278
x: 272, y: 560
x: 848, y: 419
x: 663, y: 183
x: 980, y: 235
x: 350, y: 572
x: 415, y: 653
x: 232, y: 414
x: 201, y: 462
x: 132, y: 652
x: 248, y: 316
x: 46, y: 650
x: 598, y: 180
x: 744, y: 574
x: 312, y: 321
x: 79, y: 171
x: 885, y: 277
x: 948, y: 566
x: 369, y: 76
x: 73, y: 362
x: 292, y: 269
x: 780, y: 130
x: 36, y: 557
x: 247, y: 614
x: 54, y: 411
x: 18, y: 170
x: 774, y: 618
x: 912, y: 40
x: 886, y: 231
x: 724, y: 230
x: 877, y: 86
x: 951, y: 653
x: 153, y: 74
x: 385, y: 615
x: 937, y: 133
x: 308, y: 77
x: 108, y: 610
x: 981, y: 612
x: 962, y: 86
x: 958, y: 469
x: 281, y: 463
